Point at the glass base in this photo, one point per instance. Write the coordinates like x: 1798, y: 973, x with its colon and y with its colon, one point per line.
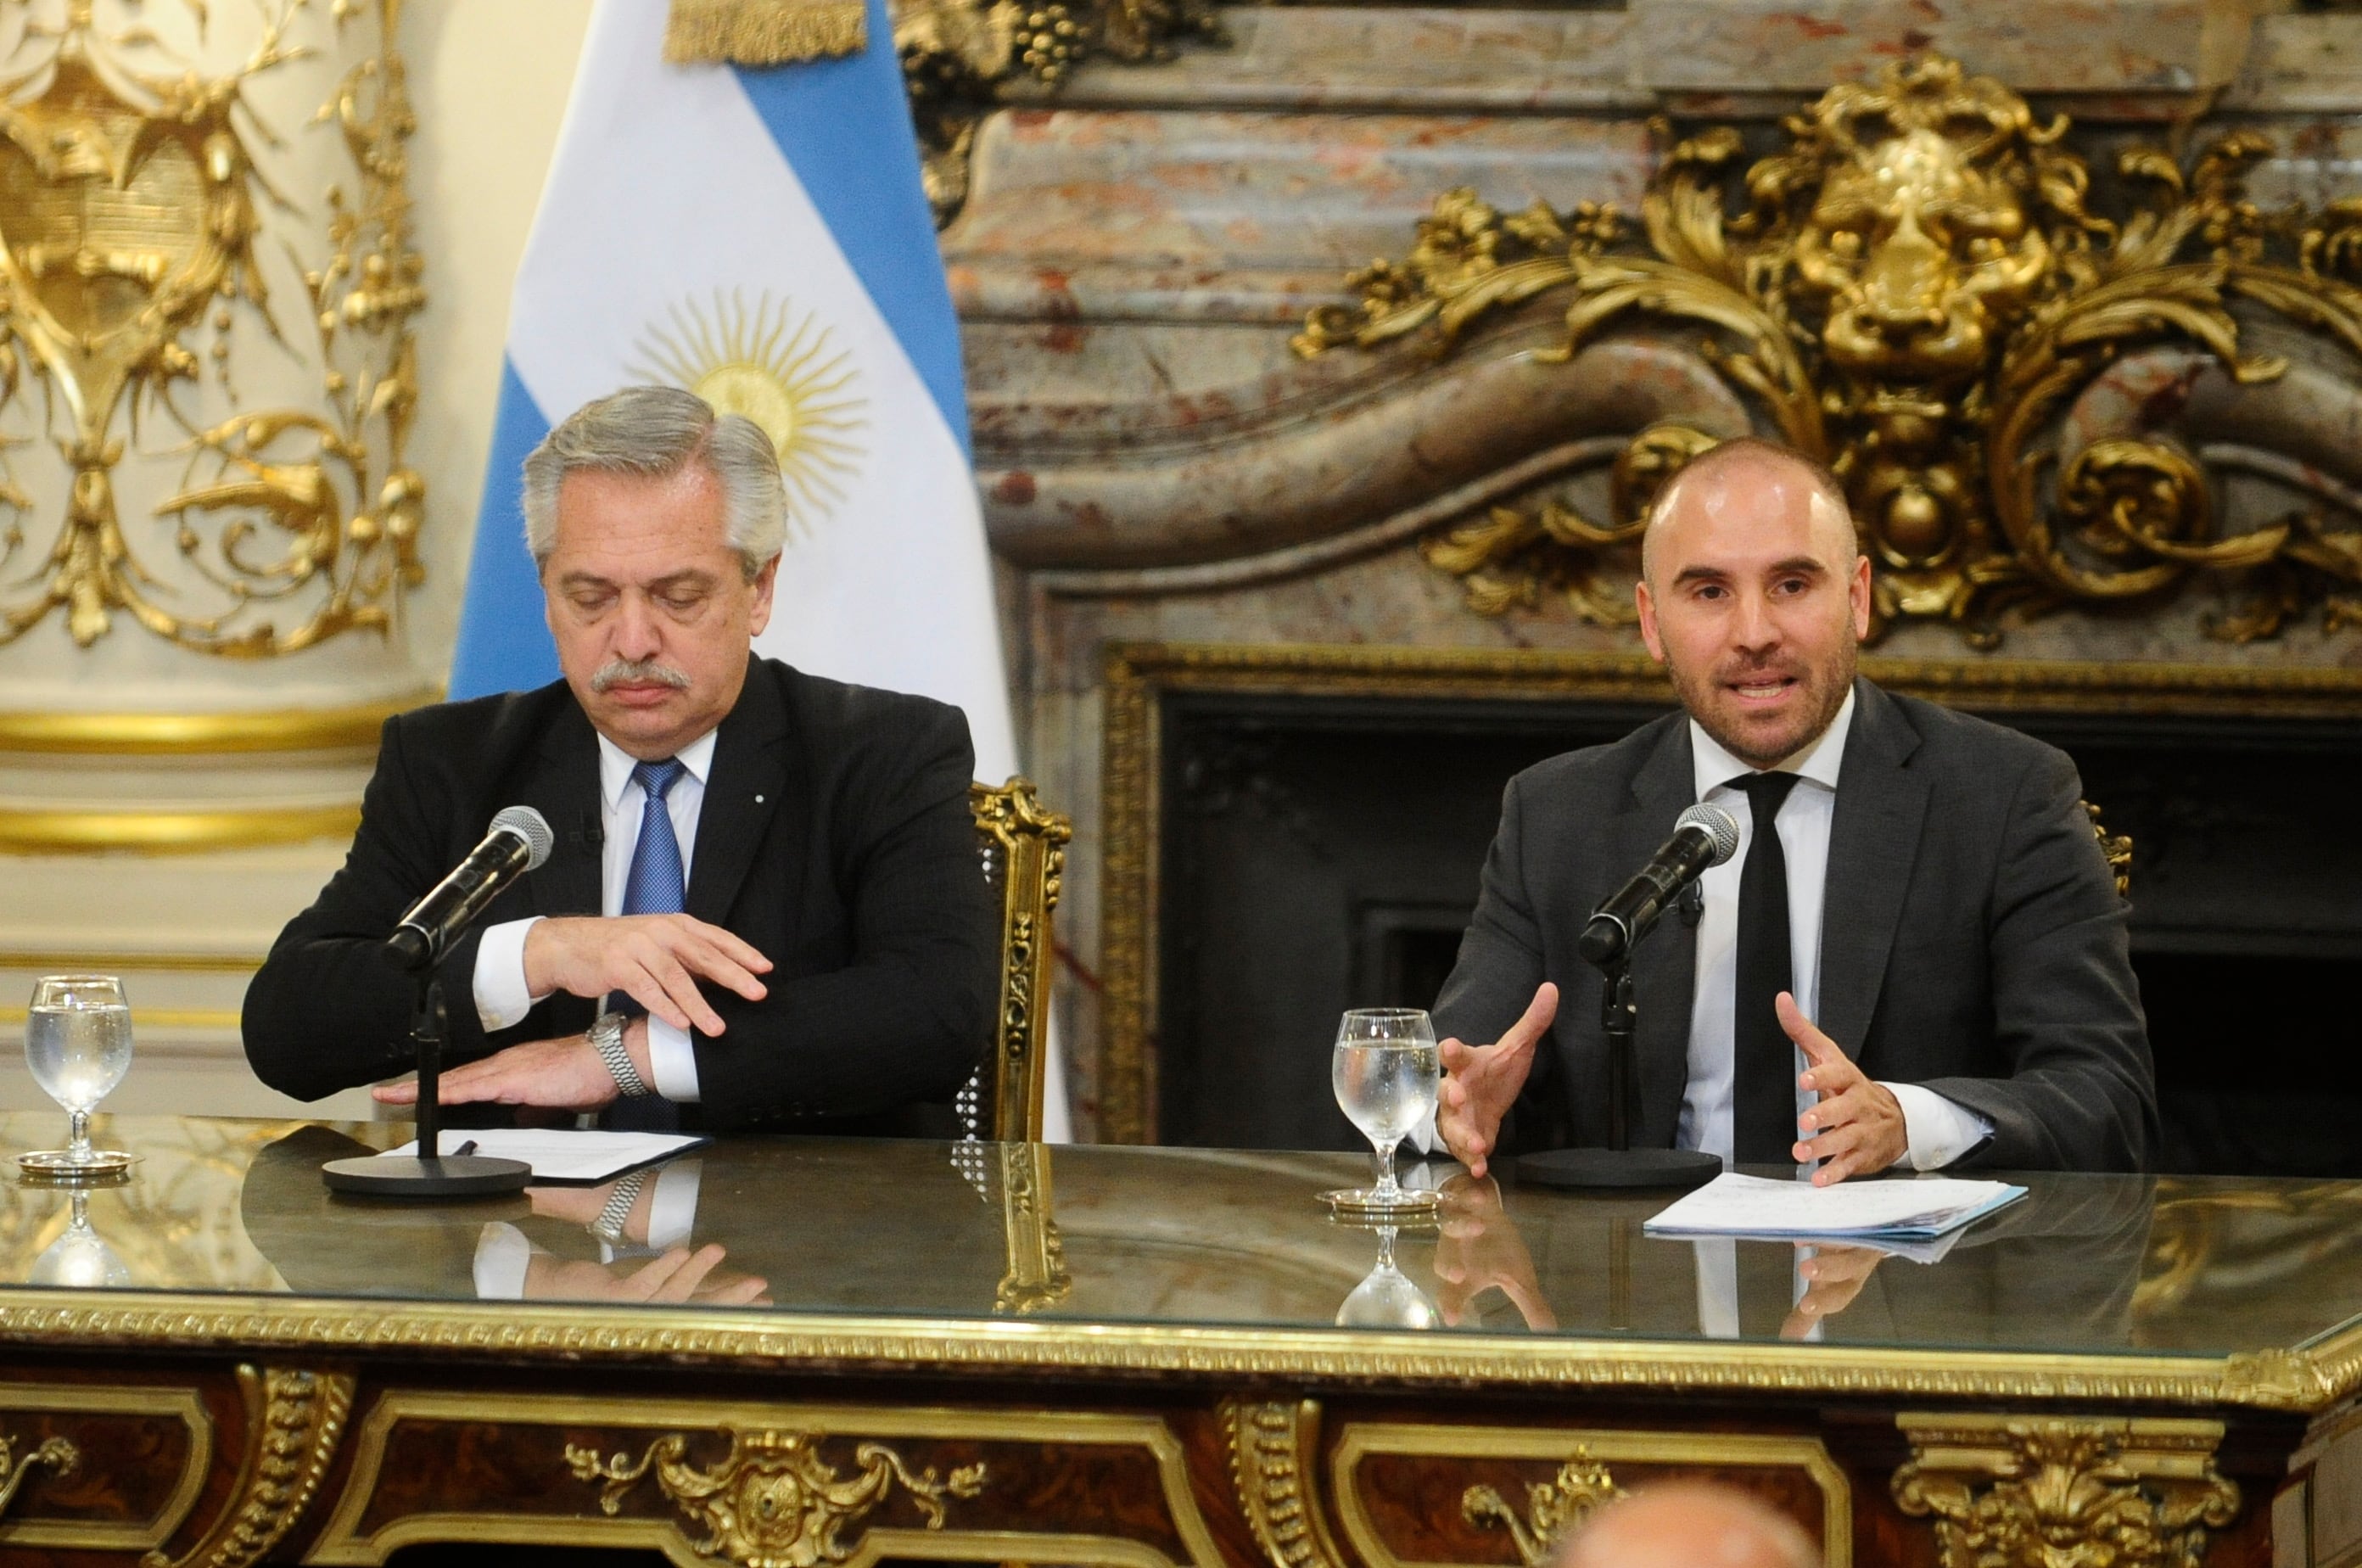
x: 60, y: 1165
x: 1368, y: 1203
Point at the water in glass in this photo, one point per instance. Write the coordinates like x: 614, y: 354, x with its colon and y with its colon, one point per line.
x: 78, y: 1044
x: 1386, y: 1072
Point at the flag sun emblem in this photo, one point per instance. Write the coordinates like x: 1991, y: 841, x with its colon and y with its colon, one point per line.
x: 779, y: 368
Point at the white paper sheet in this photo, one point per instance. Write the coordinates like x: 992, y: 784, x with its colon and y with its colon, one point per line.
x: 1735, y: 1205
x: 558, y: 1153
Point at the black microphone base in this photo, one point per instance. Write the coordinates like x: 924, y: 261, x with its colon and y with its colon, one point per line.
x: 408, y: 1176
x: 1672, y: 1169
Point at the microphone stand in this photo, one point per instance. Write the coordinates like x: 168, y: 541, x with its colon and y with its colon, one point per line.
x: 429, y: 1173
x: 1619, y: 1164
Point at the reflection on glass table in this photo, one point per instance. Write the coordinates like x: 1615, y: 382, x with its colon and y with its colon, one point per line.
x: 80, y: 1256
x: 1122, y: 1235
x: 1386, y: 1298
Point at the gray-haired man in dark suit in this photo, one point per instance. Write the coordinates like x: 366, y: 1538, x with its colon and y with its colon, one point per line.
x: 1928, y: 963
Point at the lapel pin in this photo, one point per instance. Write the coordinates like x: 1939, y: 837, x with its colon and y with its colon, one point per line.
x: 759, y: 800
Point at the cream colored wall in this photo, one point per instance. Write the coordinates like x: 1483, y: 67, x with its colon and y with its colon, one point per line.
x: 489, y: 80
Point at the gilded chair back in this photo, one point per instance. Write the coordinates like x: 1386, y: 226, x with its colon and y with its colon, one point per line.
x: 1023, y: 847
x: 2116, y: 847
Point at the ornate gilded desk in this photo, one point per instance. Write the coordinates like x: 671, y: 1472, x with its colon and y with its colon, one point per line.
x: 1128, y: 1355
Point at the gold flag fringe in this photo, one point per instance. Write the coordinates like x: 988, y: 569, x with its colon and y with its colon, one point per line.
x: 763, y: 32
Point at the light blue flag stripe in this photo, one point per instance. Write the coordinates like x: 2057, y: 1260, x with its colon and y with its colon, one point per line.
x: 504, y: 640
x: 844, y: 125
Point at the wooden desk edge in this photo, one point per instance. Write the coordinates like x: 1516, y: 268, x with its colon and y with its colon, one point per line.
x: 2306, y: 1379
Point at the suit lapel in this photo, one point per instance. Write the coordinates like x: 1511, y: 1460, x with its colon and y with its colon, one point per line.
x: 745, y: 789
x: 1664, y: 969
x: 565, y: 789
x: 1873, y: 842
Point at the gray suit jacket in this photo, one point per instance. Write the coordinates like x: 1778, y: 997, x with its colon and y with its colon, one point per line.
x: 1973, y: 941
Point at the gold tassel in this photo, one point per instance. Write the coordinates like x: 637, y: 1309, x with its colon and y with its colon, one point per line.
x: 763, y: 32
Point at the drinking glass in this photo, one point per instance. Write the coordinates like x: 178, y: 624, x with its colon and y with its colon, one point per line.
x: 78, y: 1043
x: 1386, y: 1072
x: 1386, y: 1298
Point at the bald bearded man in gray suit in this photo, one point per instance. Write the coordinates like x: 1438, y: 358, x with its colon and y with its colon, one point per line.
x: 1933, y: 968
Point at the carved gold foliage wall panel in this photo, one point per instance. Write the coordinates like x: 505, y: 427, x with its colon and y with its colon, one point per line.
x: 207, y: 376
x: 1916, y: 288
x: 2034, y: 1492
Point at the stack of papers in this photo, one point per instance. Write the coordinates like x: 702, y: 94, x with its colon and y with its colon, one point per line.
x: 1896, y: 1215
x: 558, y: 1153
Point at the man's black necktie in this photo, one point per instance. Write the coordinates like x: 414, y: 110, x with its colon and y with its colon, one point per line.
x: 1763, y: 1100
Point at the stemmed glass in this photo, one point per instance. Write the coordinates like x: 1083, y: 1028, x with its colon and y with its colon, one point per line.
x: 78, y: 1043
x: 1386, y: 1298
x: 1386, y: 1072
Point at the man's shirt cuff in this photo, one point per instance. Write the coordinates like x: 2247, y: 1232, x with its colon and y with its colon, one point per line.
x: 1940, y: 1131
x: 502, y: 1256
x: 674, y: 1062
x: 502, y: 998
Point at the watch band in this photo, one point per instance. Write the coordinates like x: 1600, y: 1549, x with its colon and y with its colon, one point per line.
x: 609, y: 1226
x: 606, y: 1037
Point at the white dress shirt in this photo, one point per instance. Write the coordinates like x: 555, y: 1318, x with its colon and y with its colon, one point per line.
x: 1939, y: 1130
x: 501, y: 997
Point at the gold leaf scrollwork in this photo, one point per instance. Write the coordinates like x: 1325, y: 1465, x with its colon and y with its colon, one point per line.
x: 59, y: 1453
x: 773, y: 1502
x: 1553, y: 1508
x: 2036, y: 1492
x: 1512, y: 558
x: 296, y: 1419
x: 1271, y: 1446
x: 1914, y: 291
x: 960, y: 57
x: 129, y: 224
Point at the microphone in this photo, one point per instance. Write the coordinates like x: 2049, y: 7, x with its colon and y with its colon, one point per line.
x: 518, y: 841
x: 1704, y: 836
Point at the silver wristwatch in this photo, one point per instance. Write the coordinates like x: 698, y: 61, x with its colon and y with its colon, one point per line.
x: 609, y: 1226
x: 607, y: 1038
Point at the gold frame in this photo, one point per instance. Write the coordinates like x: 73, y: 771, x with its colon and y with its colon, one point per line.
x: 340, y: 1544
x: 1607, y: 1445
x: 2306, y: 1379
x: 64, y: 1398
x: 1138, y: 675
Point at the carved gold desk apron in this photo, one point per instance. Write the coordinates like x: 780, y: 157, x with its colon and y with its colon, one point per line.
x: 1004, y: 1352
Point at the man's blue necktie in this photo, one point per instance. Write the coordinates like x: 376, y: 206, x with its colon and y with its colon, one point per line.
x: 653, y: 886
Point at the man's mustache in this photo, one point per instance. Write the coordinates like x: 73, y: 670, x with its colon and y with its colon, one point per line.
x: 637, y: 672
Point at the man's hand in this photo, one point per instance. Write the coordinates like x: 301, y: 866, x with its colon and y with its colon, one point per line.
x: 657, y: 960
x: 565, y: 1073
x: 1833, y: 1276
x: 1858, y: 1128
x: 678, y: 1275
x: 1479, y: 1248
x: 1481, y: 1082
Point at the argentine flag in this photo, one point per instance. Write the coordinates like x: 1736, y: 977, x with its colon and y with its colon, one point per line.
x: 760, y: 236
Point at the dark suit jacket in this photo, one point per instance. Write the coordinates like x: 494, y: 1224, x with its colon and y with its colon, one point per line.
x: 1972, y: 939
x: 834, y: 837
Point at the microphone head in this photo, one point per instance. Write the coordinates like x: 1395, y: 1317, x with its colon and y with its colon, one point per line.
x: 1719, y: 825
x: 531, y: 826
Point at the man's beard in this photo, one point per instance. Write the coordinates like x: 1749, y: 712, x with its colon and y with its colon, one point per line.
x: 1825, y: 690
